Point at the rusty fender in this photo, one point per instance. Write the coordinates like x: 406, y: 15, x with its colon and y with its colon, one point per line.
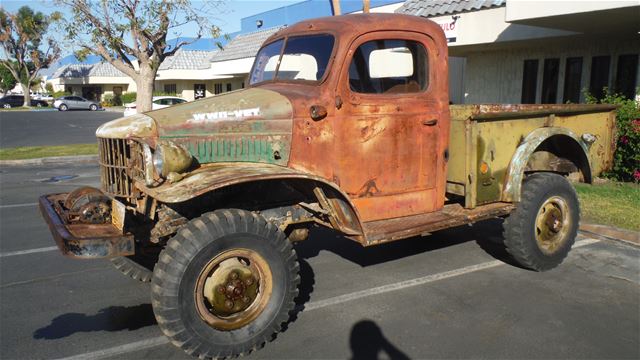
x: 213, y: 176
x: 515, y: 173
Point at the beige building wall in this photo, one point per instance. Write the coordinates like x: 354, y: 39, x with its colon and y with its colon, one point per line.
x: 185, y: 88
x: 496, y: 76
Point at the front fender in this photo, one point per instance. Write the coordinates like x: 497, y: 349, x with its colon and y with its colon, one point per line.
x: 213, y: 176
x: 513, y: 181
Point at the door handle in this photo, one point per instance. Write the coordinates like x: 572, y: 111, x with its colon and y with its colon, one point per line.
x: 430, y: 122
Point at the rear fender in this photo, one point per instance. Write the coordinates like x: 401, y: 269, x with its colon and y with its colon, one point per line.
x: 516, y: 171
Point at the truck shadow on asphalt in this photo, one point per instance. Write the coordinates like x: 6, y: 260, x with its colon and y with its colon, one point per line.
x: 113, y: 318
x: 487, y: 234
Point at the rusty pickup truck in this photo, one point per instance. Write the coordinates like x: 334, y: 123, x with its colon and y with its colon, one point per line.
x: 345, y: 124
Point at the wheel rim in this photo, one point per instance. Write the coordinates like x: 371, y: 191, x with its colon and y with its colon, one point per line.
x: 233, y: 289
x: 7, y: 106
x: 552, y: 225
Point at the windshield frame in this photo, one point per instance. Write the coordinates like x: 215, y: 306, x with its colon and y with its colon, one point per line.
x: 285, y: 38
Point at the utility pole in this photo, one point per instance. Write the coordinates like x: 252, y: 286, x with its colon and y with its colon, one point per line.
x: 336, y: 7
x: 366, y: 5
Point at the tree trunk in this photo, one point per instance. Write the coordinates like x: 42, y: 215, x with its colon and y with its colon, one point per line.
x: 144, y: 82
x: 27, y: 96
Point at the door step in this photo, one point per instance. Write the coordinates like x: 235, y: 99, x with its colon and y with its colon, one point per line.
x: 451, y: 215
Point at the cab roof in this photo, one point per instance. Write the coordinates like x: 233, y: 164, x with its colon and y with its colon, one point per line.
x: 353, y: 25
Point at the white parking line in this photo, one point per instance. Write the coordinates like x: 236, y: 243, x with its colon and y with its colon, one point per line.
x: 122, y: 349
x: 17, y: 205
x: 30, y: 251
x: 315, y: 305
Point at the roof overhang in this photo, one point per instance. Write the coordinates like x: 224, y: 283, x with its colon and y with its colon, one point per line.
x: 588, y: 17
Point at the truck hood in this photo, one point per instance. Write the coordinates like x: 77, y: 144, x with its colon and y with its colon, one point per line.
x: 253, y: 125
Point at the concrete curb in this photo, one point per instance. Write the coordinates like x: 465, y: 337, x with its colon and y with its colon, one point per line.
x: 61, y: 160
x: 612, y: 233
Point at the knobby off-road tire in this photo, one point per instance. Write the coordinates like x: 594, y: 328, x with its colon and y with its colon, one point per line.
x: 541, y: 230
x: 234, y: 241
x: 136, y: 267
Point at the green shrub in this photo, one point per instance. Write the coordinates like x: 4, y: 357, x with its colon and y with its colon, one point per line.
x: 58, y: 94
x: 49, y: 88
x: 626, y: 160
x: 107, y: 100
x: 128, y: 97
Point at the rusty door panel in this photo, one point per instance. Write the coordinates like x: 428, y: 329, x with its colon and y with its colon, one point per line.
x: 391, y: 145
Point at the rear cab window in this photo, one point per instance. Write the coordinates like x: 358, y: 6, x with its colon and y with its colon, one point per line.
x: 389, y: 67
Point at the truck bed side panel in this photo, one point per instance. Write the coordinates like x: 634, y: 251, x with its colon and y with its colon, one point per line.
x: 484, y: 139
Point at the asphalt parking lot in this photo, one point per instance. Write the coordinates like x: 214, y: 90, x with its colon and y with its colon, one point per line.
x: 51, y: 127
x: 451, y: 295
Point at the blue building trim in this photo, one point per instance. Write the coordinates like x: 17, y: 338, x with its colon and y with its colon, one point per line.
x: 291, y: 14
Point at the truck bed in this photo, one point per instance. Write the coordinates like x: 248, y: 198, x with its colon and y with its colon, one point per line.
x: 486, y: 136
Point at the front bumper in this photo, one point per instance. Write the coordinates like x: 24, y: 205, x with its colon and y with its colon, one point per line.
x: 84, y: 241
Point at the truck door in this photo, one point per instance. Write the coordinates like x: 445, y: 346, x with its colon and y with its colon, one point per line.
x: 388, y: 127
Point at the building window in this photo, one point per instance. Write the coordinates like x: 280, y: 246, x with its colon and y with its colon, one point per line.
x: 68, y: 89
x: 529, y: 82
x: 550, y: 81
x: 242, y: 85
x: 599, y: 75
x: 228, y: 87
x: 170, y: 89
x: 199, y: 91
x: 626, y: 75
x: 217, y: 89
x: 572, y: 80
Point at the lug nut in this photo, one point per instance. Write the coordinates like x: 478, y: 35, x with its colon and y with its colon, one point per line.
x: 234, y: 275
x: 246, y: 299
x: 249, y: 281
x: 221, y: 289
x: 228, y: 304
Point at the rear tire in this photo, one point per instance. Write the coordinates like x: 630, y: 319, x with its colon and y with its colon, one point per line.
x: 136, y: 267
x: 6, y: 106
x: 541, y: 230
x: 93, y: 107
x: 201, y: 261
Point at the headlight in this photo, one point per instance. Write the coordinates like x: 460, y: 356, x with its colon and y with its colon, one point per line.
x: 170, y: 157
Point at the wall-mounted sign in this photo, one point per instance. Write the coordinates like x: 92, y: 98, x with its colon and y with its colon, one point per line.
x: 450, y: 28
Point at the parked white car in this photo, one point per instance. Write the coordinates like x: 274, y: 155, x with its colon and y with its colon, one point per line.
x: 158, y: 102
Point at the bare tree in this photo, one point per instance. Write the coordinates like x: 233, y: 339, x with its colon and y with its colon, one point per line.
x: 132, y: 34
x: 22, y: 36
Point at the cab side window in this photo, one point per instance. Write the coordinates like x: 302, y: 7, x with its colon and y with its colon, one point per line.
x: 389, y: 67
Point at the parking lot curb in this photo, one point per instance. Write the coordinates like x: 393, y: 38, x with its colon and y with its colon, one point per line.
x: 612, y: 233
x: 61, y: 160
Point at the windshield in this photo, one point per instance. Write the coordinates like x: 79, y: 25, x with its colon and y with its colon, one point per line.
x: 304, y: 58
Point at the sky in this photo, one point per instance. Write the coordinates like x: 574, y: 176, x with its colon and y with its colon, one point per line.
x: 228, y: 20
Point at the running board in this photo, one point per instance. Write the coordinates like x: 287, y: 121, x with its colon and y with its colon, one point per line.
x: 383, y: 231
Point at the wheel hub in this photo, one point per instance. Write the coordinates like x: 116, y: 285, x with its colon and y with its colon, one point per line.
x: 233, y: 289
x: 551, y: 224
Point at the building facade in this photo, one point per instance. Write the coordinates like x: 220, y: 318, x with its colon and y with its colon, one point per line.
x: 537, y: 52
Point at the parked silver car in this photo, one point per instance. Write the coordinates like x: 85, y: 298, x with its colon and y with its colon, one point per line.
x: 71, y: 102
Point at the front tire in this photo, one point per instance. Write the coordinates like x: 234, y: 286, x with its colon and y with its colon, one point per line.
x: 541, y: 230
x: 225, y: 284
x: 6, y: 106
x: 63, y: 107
x: 93, y: 107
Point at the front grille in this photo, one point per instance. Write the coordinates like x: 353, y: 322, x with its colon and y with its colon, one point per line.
x: 121, y: 161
